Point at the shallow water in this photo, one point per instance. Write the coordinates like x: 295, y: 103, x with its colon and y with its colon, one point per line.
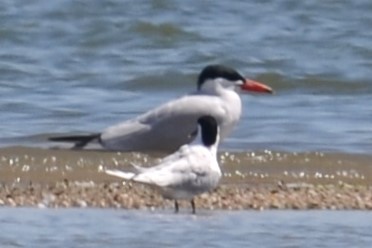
x: 25, y: 165
x: 25, y: 227
x: 71, y: 67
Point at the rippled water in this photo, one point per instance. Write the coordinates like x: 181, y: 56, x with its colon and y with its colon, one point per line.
x: 117, y: 228
x: 77, y: 66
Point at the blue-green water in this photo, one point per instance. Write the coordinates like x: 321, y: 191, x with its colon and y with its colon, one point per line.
x: 80, y: 66
x: 119, y: 228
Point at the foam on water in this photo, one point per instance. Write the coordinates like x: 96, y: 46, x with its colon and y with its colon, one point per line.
x: 25, y: 165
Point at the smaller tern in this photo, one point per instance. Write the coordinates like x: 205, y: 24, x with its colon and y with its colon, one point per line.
x: 171, y: 125
x: 190, y: 171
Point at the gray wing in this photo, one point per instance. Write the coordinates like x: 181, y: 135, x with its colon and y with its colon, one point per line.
x: 165, y: 128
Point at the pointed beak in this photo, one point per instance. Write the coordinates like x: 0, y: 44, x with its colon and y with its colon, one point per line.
x: 254, y: 86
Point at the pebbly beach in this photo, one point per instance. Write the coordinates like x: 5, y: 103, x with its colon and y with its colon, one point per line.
x: 47, y: 178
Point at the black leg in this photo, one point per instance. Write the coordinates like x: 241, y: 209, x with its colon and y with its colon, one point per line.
x: 175, y: 206
x: 193, y: 206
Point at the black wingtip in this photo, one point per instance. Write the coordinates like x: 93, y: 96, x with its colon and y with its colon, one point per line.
x: 79, y: 140
x: 209, y: 130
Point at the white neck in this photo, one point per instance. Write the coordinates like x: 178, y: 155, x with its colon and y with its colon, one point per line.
x: 217, y: 86
x: 227, y: 92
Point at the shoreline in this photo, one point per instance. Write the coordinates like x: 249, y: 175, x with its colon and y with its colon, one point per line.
x: 47, y: 178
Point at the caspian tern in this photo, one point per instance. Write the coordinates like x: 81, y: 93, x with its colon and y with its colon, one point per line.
x: 190, y: 171
x: 169, y: 126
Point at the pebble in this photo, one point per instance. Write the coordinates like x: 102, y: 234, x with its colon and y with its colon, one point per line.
x: 226, y: 196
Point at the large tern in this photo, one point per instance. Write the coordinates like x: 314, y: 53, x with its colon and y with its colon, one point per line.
x: 190, y: 171
x: 171, y: 125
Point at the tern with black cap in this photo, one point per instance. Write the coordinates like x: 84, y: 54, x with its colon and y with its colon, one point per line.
x: 171, y: 125
x: 190, y: 171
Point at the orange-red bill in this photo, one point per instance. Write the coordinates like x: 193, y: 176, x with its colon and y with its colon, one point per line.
x: 251, y: 85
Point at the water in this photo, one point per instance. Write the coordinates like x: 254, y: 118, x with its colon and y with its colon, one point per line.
x: 74, y: 66
x: 25, y: 165
x: 117, y: 228
x: 80, y: 66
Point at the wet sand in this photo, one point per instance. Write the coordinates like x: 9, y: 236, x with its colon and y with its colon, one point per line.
x: 252, y: 180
